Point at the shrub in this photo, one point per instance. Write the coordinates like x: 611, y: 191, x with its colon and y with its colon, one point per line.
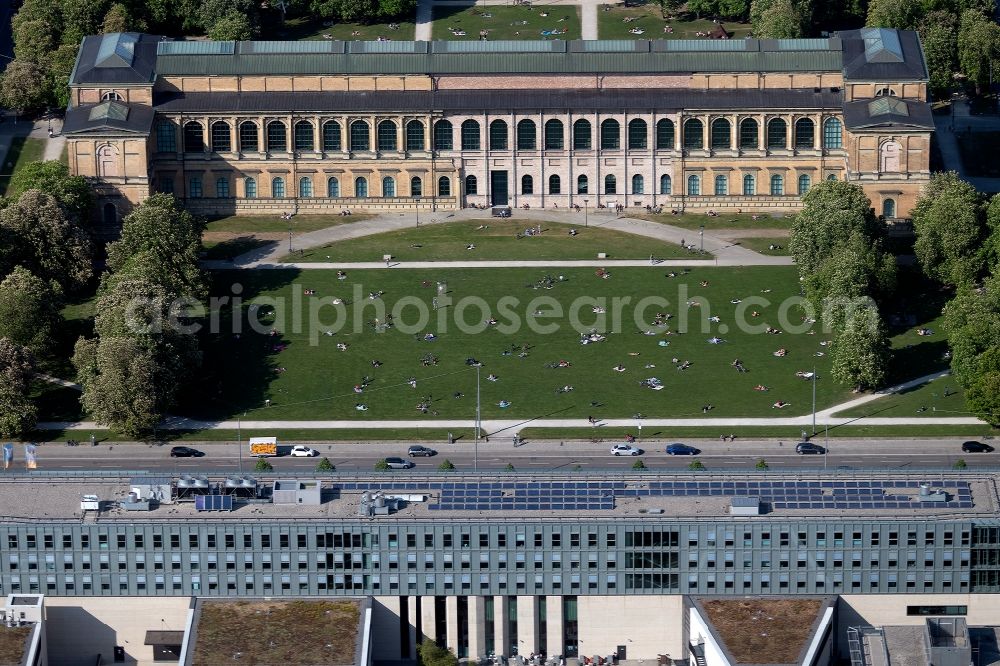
x: 263, y: 465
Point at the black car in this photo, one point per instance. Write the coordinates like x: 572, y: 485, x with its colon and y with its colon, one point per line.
x: 185, y: 452
x: 804, y: 448
x: 976, y: 447
x: 417, y: 451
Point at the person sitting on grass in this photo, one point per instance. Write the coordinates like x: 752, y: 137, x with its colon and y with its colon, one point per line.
x: 503, y: 404
x: 761, y: 387
x: 781, y: 352
x: 361, y: 407
x: 781, y: 404
x: 619, y: 368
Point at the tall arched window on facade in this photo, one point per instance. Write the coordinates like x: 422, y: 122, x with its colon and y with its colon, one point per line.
x: 194, y: 138
x: 305, y: 187
x: 304, y: 135
x: 526, y: 135
x: 638, y: 184
x: 386, y: 136
x: 332, y: 187
x: 278, y: 188
x: 804, y: 182
x: 416, y: 187
x: 553, y: 134
x: 470, y: 135
x: 166, y: 137
x: 637, y: 133
x: 555, y: 184
x: 222, y: 188
x: 832, y: 133
x: 749, y: 185
x: 722, y: 137
x: 611, y: 134
x: 581, y: 134
x: 694, y: 134
x: 665, y: 134
x: 610, y: 184
x: 498, y: 135
x: 665, y: 185
x: 694, y: 186
x: 777, y: 133
x: 889, y: 208
x: 194, y: 187
x: 361, y: 139
x: 721, y: 186
x: 581, y: 184
x: 388, y: 187
x: 414, y: 135
x: 444, y: 135
x: 277, y: 136
x: 777, y: 186
x: 471, y: 185
x: 749, y: 134
x: 527, y: 185
x: 361, y: 187
x: 221, y: 141
x: 331, y: 136
x: 444, y: 186
x: 250, y: 188
x: 805, y: 133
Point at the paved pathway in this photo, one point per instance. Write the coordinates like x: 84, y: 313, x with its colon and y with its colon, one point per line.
x: 58, y: 382
x: 424, y: 17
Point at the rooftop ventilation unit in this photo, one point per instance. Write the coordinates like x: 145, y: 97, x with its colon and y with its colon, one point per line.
x: 744, y: 506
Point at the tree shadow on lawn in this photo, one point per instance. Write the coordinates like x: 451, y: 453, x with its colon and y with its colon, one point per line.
x: 917, y: 360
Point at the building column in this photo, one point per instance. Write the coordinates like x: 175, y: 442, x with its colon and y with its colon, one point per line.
x: 451, y: 622
x: 501, y: 630
x: 527, y: 625
x: 554, y: 624
x: 427, y: 617
x: 477, y: 628
x: 413, y: 625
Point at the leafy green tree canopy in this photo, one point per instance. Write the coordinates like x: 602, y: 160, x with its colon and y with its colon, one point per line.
x: 949, y: 223
x: 17, y: 413
x: 861, y: 353
x: 833, y: 210
x: 53, y: 177
x: 29, y: 310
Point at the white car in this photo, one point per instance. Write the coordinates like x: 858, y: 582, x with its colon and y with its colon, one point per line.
x: 300, y: 451
x: 625, y: 450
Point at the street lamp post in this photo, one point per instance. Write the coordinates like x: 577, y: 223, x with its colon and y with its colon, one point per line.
x: 701, y: 237
x: 289, y: 235
x: 814, y: 401
x: 586, y: 211
x: 478, y: 422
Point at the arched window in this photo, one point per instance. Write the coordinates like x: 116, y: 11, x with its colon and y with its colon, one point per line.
x: 832, y: 135
x: 889, y: 157
x: 553, y: 134
x: 665, y: 134
x: 638, y: 184
x: 250, y: 188
x: 471, y: 185
x: 470, y: 135
x: 305, y: 187
x: 386, y: 135
x: 416, y: 187
x: 498, y: 135
x: 112, y: 96
x: 388, y: 186
x: 249, y: 137
x: 611, y: 133
x: 222, y: 188
x: 444, y: 187
x: 581, y: 135
x: 304, y: 135
x: 885, y: 92
x: 360, y: 136
x: 721, y: 134
x: 555, y: 184
x: 194, y: 138
x: 581, y: 184
x: 804, y: 182
x: 221, y: 141
x: 889, y: 208
x: 665, y: 184
x: 361, y: 187
x: 610, y: 184
x: 527, y: 185
x: 694, y: 133
x: 331, y: 136
x: 777, y: 186
x: 414, y: 135
x: 694, y: 185
x: 805, y: 133
x: 777, y: 133
x: 277, y: 136
x: 526, y: 135
x: 444, y: 135
x: 749, y: 185
x: 194, y: 187
x: 278, y: 188
x: 166, y: 137
x: 332, y: 187
x: 637, y: 133
x: 832, y: 176
x: 721, y: 186
x: 749, y: 134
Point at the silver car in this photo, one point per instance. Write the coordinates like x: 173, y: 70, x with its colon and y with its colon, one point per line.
x: 398, y: 463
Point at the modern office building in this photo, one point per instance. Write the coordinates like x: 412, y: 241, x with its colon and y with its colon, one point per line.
x: 563, y: 564
x: 320, y: 126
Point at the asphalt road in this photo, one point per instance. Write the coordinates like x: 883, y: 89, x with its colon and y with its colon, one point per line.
x: 538, y: 456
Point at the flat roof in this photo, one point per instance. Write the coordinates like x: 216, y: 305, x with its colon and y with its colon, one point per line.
x: 12, y: 644
x: 757, y: 630
x: 291, y: 633
x: 640, y: 496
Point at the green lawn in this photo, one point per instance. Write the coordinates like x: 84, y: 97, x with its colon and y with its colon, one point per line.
x: 499, y: 22
x: 694, y: 221
x: 762, y: 244
x: 310, y: 28
x: 227, y: 250
x: 23, y: 150
x: 611, y: 24
x: 664, y: 435
x: 248, y: 224
x: 314, y: 381
x: 498, y: 240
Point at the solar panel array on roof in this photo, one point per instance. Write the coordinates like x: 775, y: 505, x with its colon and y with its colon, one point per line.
x: 167, y: 48
x: 213, y: 503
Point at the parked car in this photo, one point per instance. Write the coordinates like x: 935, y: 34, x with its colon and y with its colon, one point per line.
x: 678, y: 449
x: 185, y: 452
x: 398, y: 463
x: 417, y: 451
x: 625, y: 450
x: 976, y: 447
x: 302, y: 451
x: 805, y: 448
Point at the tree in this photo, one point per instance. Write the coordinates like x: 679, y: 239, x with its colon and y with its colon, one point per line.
x: 446, y: 466
x: 779, y: 20
x: 263, y: 465
x: 53, y: 178
x: 120, y: 19
x: 46, y: 241
x: 29, y: 311
x: 116, y: 374
x: 761, y: 464
x: 60, y: 67
x: 210, y: 11
x: 390, y: 9
x: 17, y: 413
x: 430, y: 653
x: 696, y: 466
x: 509, y: 467
x: 23, y: 87
x: 325, y: 466
x: 972, y: 322
x: 34, y: 41
x: 982, y: 397
x: 638, y: 464
x: 346, y: 10
x: 861, y: 352
x: 82, y: 18
x: 833, y: 210
x: 901, y: 14
x: 960, y: 464
x: 232, y: 27
x: 858, y: 272
x: 978, y: 46
x: 669, y: 7
x: 949, y: 224
x: 381, y: 465
x: 939, y: 35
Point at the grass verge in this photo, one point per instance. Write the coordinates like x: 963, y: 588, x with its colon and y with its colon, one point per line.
x: 23, y: 150
x: 455, y: 22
